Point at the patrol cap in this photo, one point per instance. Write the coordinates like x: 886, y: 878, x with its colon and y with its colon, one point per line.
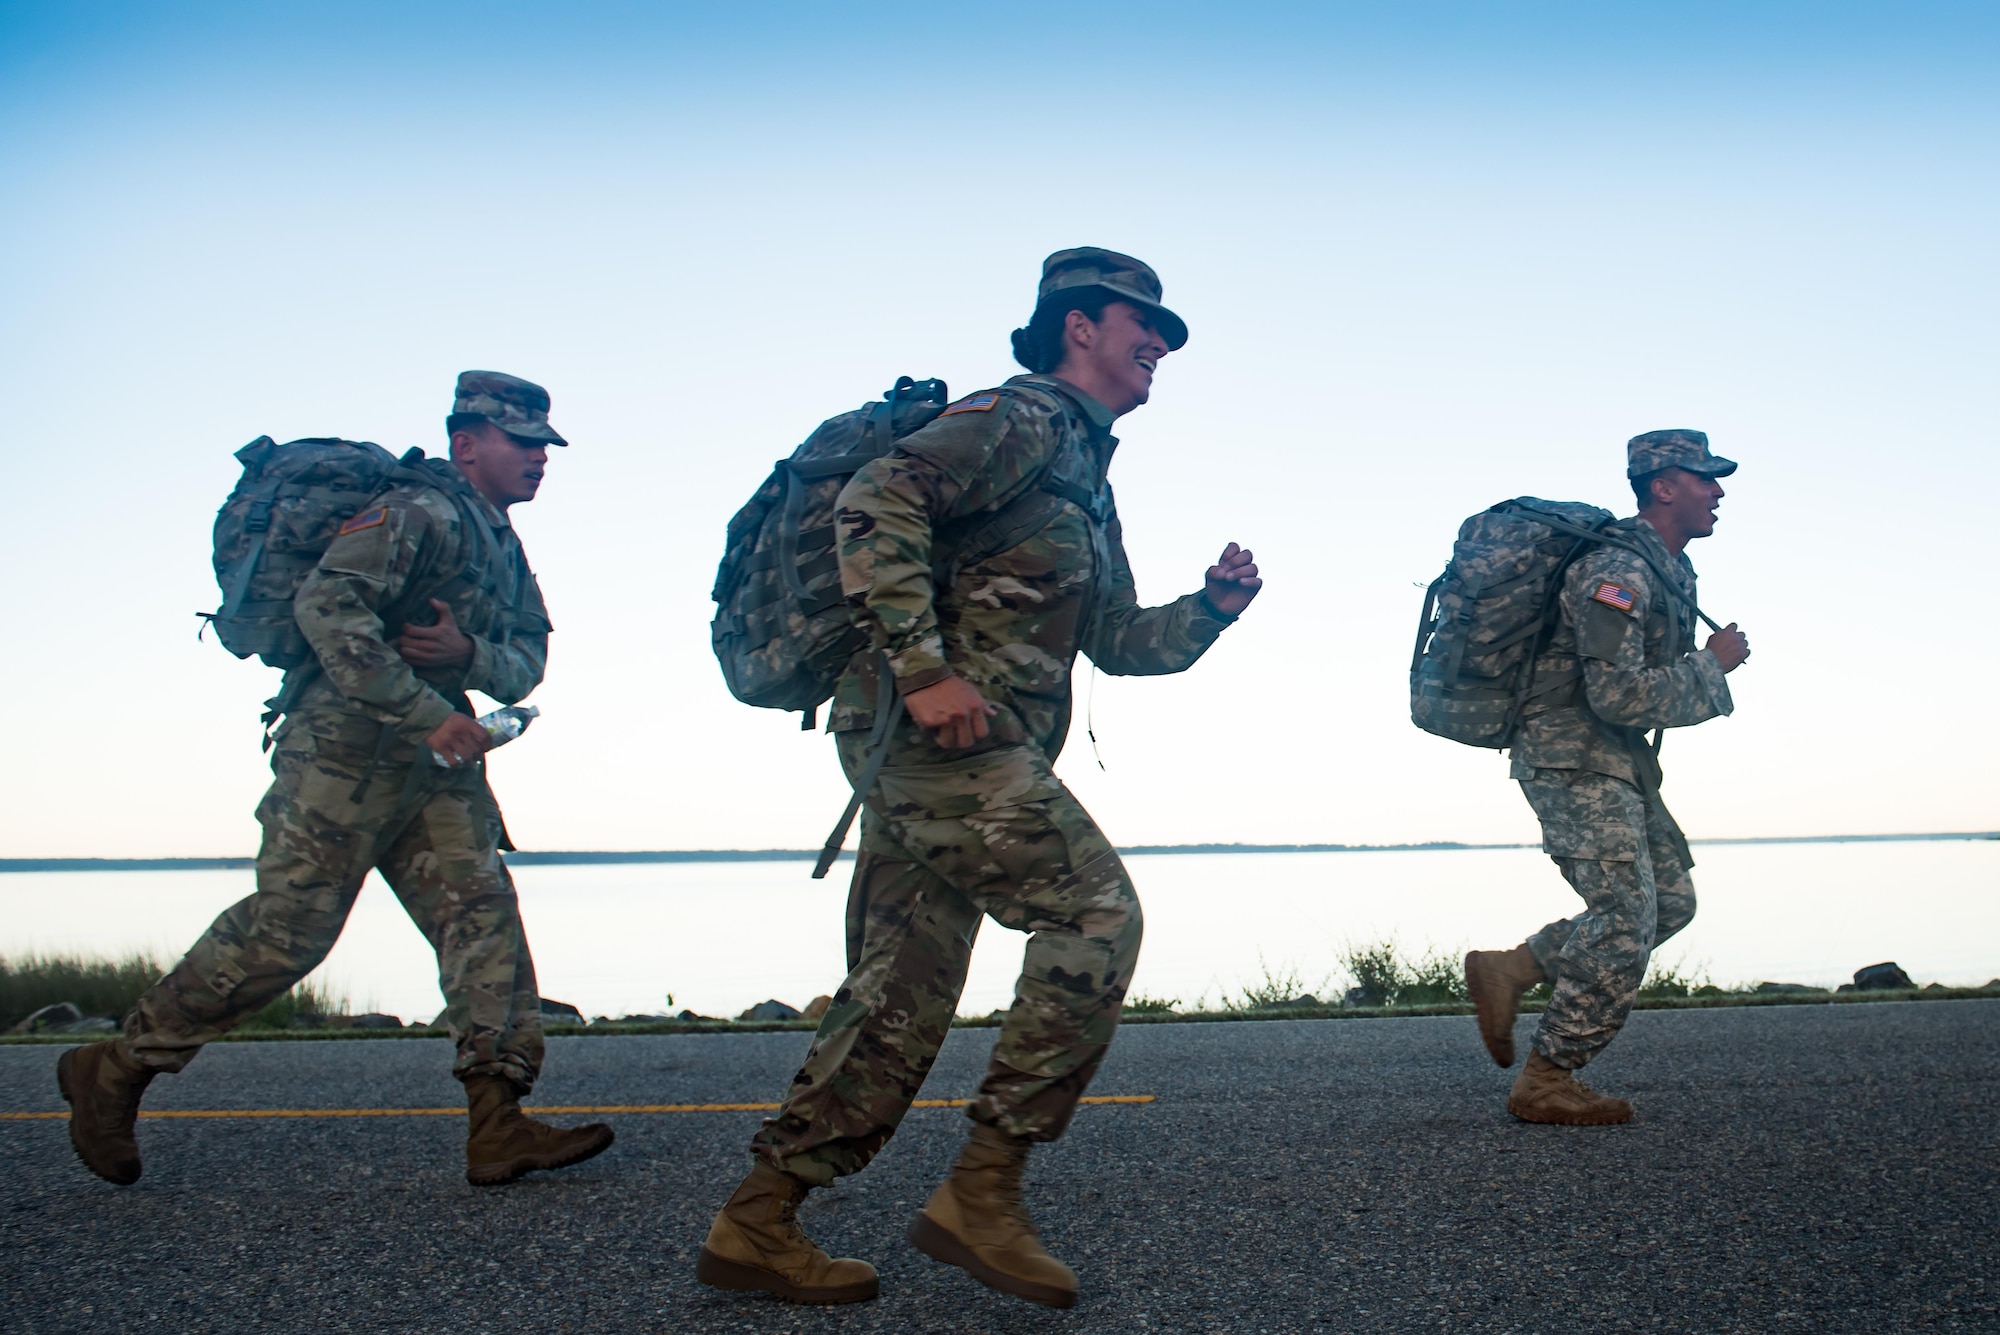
x: 1122, y: 276
x: 1678, y: 448
x: 518, y: 407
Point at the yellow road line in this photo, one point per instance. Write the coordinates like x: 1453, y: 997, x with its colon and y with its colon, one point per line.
x: 460, y: 1112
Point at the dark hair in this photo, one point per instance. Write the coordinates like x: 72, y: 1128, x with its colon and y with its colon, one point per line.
x: 1039, y: 346
x: 464, y: 422
x: 1642, y: 486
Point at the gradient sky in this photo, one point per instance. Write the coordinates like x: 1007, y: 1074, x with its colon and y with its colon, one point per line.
x: 1432, y: 255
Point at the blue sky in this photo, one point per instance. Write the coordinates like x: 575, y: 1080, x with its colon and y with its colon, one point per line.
x: 1432, y: 256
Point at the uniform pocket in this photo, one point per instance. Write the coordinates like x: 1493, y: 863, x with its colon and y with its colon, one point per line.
x: 1593, y: 841
x: 991, y: 781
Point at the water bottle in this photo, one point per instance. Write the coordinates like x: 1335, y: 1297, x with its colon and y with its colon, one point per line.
x: 502, y: 725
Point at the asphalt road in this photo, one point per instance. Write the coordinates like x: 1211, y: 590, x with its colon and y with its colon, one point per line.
x: 1822, y: 1168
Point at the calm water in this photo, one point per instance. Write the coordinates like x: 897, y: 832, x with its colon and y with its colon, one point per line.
x: 719, y: 937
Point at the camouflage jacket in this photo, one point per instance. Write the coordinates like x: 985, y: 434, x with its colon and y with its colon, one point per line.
x: 1634, y: 645
x: 1011, y: 624
x: 410, y: 545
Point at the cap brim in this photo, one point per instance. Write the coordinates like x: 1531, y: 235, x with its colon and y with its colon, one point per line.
x: 1717, y: 467
x: 1171, y: 326
x: 542, y: 435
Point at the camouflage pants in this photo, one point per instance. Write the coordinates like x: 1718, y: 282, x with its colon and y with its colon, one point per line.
x: 942, y: 845
x: 442, y: 862
x: 1618, y: 852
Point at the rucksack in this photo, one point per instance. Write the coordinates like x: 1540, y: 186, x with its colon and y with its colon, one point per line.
x: 1490, y: 615
x: 276, y: 524
x: 782, y: 632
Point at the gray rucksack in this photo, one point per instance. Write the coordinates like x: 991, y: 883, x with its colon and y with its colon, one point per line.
x: 782, y: 632
x: 276, y: 524
x: 1491, y: 613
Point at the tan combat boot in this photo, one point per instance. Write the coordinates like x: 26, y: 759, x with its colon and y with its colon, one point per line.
x: 756, y: 1244
x: 1496, y: 980
x: 505, y: 1142
x: 977, y: 1221
x: 102, y: 1085
x: 1545, y: 1092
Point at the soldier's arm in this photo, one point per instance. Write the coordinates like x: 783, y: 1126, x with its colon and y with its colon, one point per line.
x: 338, y: 608
x: 1133, y: 641
x: 1611, y: 651
x: 964, y: 462
x: 511, y: 671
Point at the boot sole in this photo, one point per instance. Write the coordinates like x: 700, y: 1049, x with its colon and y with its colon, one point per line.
x: 65, y: 1064
x: 1570, y: 1119
x: 496, y: 1174
x: 1498, y: 1038
x: 721, y: 1273
x: 938, y: 1243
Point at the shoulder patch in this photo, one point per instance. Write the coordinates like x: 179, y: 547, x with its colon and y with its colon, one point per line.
x: 978, y: 403
x: 366, y: 519
x: 1613, y: 595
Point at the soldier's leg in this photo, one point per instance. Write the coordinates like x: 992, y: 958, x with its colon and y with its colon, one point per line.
x: 447, y: 870
x: 1673, y: 887
x: 309, y: 869
x: 910, y: 941
x: 1046, y: 869
x: 1594, y: 827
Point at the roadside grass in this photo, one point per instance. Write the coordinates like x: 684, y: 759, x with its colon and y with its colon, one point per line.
x: 1372, y: 980
x: 109, y: 987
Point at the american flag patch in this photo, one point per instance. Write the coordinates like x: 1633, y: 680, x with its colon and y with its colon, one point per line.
x: 1613, y: 596
x: 978, y: 403
x: 366, y: 519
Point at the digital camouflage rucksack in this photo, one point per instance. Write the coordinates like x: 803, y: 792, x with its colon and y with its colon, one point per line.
x: 276, y: 524
x: 1491, y: 613
x: 782, y: 632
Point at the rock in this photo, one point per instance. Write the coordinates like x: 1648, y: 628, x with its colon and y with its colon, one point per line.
x: 770, y: 1010
x: 372, y: 1020
x: 816, y: 1008
x: 1933, y: 987
x: 560, y: 1011
x: 308, y: 1020
x: 1881, y: 978
x: 1993, y: 986
x: 1768, y: 989
x: 1357, y: 997
x: 691, y: 1015
x: 94, y: 1024
x: 50, y: 1019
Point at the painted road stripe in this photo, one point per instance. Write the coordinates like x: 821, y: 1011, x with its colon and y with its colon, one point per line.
x: 460, y: 1112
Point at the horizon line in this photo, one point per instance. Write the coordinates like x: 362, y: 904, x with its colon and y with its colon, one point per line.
x: 578, y: 858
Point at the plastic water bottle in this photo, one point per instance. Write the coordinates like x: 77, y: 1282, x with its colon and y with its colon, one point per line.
x: 502, y: 725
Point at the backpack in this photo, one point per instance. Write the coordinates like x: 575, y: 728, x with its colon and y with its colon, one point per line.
x: 782, y: 632
x: 1489, y: 616
x: 279, y: 519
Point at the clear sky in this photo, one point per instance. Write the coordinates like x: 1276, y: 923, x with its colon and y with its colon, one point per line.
x: 1433, y: 255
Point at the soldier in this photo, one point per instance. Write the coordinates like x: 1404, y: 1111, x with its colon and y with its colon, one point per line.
x: 424, y: 595
x: 968, y: 818
x: 1594, y: 782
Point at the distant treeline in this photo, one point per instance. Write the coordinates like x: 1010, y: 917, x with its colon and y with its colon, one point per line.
x: 586, y: 859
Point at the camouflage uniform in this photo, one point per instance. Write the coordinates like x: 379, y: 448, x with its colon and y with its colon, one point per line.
x: 1593, y: 779
x: 349, y: 793
x: 949, y: 836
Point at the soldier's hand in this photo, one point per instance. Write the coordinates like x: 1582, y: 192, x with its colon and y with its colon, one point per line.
x: 952, y: 710
x: 1232, y: 581
x: 460, y: 740
x: 442, y: 645
x: 1730, y: 647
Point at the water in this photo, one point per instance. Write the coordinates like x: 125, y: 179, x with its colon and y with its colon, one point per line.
x: 722, y: 936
